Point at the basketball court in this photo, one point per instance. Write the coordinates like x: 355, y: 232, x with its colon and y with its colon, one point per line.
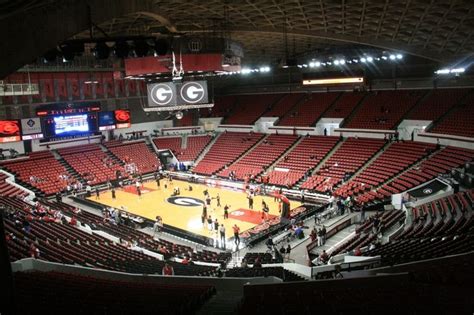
x: 184, y: 211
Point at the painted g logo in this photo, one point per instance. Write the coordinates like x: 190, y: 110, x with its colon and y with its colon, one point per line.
x: 185, y: 201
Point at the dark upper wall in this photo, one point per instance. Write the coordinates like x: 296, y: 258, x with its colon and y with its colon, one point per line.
x: 33, y: 32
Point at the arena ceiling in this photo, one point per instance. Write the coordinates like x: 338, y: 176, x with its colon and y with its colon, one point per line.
x: 439, y: 30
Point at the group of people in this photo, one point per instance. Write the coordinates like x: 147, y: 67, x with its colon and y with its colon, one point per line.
x: 319, y: 234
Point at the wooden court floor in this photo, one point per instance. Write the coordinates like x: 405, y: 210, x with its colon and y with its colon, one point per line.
x: 185, y: 213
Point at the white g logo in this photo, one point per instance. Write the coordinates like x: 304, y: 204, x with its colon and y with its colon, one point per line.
x: 192, y: 92
x: 161, y: 94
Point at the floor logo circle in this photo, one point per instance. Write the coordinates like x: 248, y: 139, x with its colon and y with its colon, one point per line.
x: 185, y: 201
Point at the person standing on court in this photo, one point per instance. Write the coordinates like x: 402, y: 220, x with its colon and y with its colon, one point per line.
x: 157, y: 179
x: 218, y: 198
x: 250, y: 198
x: 209, y: 223
x: 113, y: 193
x: 226, y: 212
x: 236, y: 235
x: 222, y: 234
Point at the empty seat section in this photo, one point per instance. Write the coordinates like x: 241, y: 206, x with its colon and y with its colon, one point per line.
x: 308, y: 111
x: 223, y: 105
x: 439, y: 163
x: 303, y: 157
x: 137, y: 153
x: 257, y: 160
x: 394, y: 160
x: 227, y: 148
x: 344, y: 105
x: 460, y: 121
x: 250, y: 107
x: 41, y: 170
x: 171, y: 143
x: 383, y: 109
x: 195, y: 145
x: 345, y: 161
x: 91, y: 163
x: 284, y: 105
x: 9, y: 190
x: 436, y: 103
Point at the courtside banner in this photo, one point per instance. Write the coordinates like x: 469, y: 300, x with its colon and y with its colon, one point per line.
x: 30, y: 126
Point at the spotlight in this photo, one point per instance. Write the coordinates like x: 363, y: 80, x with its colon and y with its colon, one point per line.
x: 312, y: 64
x: 342, y: 61
x: 385, y: 57
x: 363, y: 60
x: 121, y: 49
x: 336, y: 62
x: 101, y: 50
x: 370, y: 59
x: 317, y: 64
x: 245, y: 71
x: 442, y: 71
x: 399, y: 56
x: 392, y: 57
x: 457, y: 70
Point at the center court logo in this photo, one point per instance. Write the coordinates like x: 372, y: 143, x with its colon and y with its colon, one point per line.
x: 185, y: 201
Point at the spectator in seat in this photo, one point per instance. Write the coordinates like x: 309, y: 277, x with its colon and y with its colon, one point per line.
x: 323, y: 257
x: 357, y: 252
x: 34, y: 251
x: 243, y: 264
x: 288, y: 250
x: 167, y: 270
x: 185, y: 260
x: 73, y: 221
x: 299, y: 234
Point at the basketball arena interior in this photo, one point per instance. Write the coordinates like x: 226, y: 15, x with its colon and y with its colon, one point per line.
x: 237, y: 157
